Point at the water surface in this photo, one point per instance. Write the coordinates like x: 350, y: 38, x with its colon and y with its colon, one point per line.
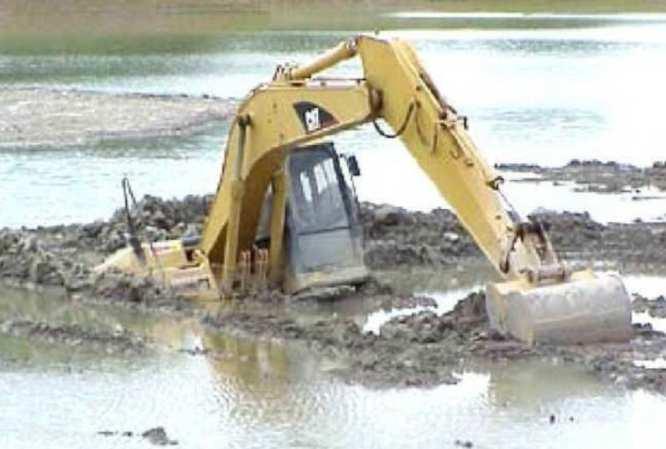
x: 534, y: 95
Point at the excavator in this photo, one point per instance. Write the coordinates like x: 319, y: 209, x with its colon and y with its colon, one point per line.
x: 285, y: 213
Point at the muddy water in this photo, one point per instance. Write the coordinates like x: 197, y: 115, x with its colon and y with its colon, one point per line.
x: 270, y: 394
x: 533, y: 93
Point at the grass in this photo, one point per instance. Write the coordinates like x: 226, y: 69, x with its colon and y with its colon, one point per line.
x: 88, y: 26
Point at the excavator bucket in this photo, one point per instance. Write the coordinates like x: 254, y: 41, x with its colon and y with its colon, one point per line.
x: 587, y: 308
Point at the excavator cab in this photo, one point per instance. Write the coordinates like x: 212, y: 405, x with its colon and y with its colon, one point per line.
x: 324, y: 234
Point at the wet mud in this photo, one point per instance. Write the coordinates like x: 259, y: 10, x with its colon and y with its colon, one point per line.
x: 120, y: 342
x: 424, y: 349
x: 595, y: 176
x: 427, y: 349
x: 656, y: 307
x: 49, y: 118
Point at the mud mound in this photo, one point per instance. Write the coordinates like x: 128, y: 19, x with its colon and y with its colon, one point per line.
x: 397, y: 237
x: 121, y: 342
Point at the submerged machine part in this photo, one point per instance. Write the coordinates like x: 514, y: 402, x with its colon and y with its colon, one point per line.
x: 588, y: 307
x: 313, y: 235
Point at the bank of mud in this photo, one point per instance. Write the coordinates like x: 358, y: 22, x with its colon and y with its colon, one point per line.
x: 119, y: 342
x: 64, y: 255
x: 595, y: 176
x: 420, y: 350
x: 32, y: 118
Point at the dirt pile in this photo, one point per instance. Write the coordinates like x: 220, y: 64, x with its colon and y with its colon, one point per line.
x: 397, y: 237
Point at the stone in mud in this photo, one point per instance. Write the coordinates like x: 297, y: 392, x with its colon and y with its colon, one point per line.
x: 124, y: 287
x: 387, y: 215
x: 43, y: 270
x: 107, y: 433
x: 158, y: 437
x: 325, y: 293
x: 656, y: 308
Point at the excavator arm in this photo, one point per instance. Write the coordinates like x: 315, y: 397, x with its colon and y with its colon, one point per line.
x: 295, y: 108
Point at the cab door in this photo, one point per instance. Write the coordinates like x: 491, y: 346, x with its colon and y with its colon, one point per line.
x: 324, y: 235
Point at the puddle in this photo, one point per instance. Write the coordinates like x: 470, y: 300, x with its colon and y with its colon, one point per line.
x: 659, y: 363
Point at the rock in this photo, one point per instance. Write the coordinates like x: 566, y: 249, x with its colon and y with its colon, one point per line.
x: 388, y: 215
x: 325, y: 293
x: 158, y: 437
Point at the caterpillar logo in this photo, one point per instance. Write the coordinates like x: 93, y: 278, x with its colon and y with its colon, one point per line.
x: 313, y: 117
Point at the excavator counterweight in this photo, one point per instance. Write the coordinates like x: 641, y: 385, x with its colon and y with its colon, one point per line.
x: 282, y: 213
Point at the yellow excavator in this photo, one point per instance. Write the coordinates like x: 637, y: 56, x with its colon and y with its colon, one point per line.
x: 285, y: 213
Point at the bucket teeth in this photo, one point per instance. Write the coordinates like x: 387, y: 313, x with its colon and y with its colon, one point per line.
x: 587, y: 308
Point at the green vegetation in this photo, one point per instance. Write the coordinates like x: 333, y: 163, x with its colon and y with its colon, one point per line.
x: 149, y: 26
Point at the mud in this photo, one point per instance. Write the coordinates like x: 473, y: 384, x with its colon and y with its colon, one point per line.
x: 120, y: 342
x: 49, y: 118
x: 399, y: 238
x: 595, y: 176
x: 395, y: 238
x: 418, y: 350
x: 656, y: 307
x: 427, y: 349
x: 156, y: 436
